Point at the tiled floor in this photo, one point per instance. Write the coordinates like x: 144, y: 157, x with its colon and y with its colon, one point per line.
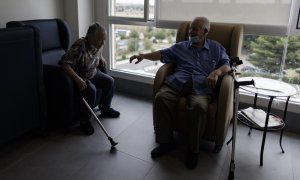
x: 61, y: 156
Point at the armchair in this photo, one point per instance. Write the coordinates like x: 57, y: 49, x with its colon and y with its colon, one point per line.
x: 63, y: 97
x: 220, y: 110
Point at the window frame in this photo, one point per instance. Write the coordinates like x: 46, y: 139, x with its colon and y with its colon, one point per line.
x: 128, y: 19
x: 248, y: 29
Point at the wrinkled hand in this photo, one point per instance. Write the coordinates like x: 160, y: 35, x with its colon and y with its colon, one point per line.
x: 212, y: 80
x: 81, y: 84
x: 139, y: 58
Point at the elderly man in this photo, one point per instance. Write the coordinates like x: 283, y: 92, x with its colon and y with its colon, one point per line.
x: 82, y: 62
x: 199, y: 62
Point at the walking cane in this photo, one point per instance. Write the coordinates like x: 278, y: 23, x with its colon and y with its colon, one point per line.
x: 112, y: 142
x: 233, y: 64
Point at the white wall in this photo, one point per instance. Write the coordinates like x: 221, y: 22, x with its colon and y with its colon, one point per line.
x: 85, y: 15
x: 101, y: 17
x: 29, y: 9
x: 71, y: 16
x: 79, y: 14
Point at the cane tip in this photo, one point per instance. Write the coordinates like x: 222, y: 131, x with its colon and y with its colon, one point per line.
x: 113, y: 149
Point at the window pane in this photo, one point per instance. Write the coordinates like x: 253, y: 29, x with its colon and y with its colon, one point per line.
x: 127, y: 8
x: 264, y: 56
x: 129, y: 40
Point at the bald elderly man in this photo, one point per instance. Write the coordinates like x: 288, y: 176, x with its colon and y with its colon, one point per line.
x: 199, y: 62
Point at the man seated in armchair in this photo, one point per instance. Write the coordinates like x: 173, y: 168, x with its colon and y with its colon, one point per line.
x: 199, y: 62
x: 82, y: 62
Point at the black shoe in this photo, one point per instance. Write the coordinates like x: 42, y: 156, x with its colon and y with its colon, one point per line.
x: 87, y: 127
x: 191, y: 160
x: 162, y: 149
x: 109, y: 112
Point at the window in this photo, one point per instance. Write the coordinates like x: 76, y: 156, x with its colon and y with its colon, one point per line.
x: 133, y: 31
x: 132, y: 9
x: 132, y: 39
x: 138, y: 26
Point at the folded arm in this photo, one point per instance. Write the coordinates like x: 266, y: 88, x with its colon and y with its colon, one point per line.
x: 214, y: 75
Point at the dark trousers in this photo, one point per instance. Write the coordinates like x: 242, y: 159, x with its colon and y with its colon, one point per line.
x: 165, y: 104
x: 100, y: 85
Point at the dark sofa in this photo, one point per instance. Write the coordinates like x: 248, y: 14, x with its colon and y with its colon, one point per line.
x: 63, y: 98
x: 22, y: 103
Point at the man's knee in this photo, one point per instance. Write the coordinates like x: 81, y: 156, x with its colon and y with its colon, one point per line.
x: 90, y: 94
x: 159, y: 97
x: 199, y: 103
x: 109, y: 81
x: 199, y: 106
x: 163, y: 98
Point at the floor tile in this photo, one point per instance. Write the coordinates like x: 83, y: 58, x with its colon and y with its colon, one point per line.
x: 116, y: 166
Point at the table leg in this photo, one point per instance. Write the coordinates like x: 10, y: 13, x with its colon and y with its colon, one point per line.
x: 255, y: 101
x: 280, y: 141
x: 284, y: 116
x: 265, y: 132
x: 249, y: 132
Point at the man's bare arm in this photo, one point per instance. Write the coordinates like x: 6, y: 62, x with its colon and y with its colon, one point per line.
x: 153, y: 56
x: 79, y: 81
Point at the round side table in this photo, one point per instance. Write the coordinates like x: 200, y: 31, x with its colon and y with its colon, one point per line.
x: 272, y: 89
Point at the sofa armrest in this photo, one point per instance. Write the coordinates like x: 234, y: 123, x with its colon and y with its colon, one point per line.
x: 160, y: 76
x: 225, y: 108
x: 23, y: 107
x: 60, y: 91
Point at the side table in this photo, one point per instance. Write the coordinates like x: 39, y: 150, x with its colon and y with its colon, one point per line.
x: 272, y: 89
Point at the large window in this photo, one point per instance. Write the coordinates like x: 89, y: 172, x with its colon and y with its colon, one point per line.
x: 139, y: 26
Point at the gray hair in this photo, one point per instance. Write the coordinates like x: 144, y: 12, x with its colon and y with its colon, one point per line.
x: 95, y: 29
x: 204, y: 22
